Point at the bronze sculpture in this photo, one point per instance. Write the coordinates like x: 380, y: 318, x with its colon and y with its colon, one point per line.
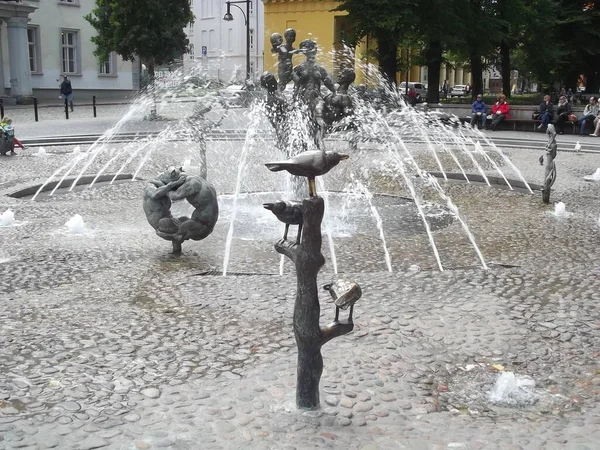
x: 310, y: 165
x: 288, y: 212
x: 318, y: 112
x: 321, y: 112
x: 172, y: 185
x: 550, y: 168
x: 285, y: 52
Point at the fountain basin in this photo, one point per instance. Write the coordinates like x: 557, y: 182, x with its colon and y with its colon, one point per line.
x: 29, y: 191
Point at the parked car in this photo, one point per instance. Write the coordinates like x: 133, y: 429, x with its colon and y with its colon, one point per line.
x: 419, y: 88
x: 458, y: 90
x: 240, y: 94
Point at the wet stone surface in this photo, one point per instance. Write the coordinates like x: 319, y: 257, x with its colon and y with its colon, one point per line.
x: 108, y: 341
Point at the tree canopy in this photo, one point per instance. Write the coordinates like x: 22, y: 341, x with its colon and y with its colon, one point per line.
x: 150, y: 30
x: 552, y: 41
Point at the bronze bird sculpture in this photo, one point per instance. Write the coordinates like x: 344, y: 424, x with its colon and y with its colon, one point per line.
x: 309, y: 164
x: 288, y: 212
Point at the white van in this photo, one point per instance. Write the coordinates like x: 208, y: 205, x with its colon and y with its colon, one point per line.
x: 417, y: 86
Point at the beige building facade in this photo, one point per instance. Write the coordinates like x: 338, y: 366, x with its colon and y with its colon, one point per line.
x: 40, y: 41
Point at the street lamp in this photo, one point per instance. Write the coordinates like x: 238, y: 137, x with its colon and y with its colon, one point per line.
x: 228, y: 17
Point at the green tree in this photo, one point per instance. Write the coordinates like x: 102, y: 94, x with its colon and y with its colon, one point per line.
x: 383, y: 20
x: 151, y: 30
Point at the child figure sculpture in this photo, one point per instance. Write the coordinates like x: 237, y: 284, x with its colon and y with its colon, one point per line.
x: 285, y: 52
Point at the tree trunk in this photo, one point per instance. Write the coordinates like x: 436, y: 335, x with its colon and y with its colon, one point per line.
x: 433, y: 56
x: 505, y: 67
x: 476, y: 75
x: 387, y: 55
x: 310, y: 337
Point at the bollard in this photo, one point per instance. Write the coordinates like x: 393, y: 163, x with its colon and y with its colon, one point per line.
x: 1, y: 109
x: 94, y: 104
x: 35, y: 109
x: 66, y: 110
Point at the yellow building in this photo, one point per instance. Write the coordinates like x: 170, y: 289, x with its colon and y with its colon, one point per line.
x: 312, y: 19
x: 316, y: 20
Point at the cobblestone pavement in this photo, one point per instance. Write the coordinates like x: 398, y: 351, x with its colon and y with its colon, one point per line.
x: 108, y: 341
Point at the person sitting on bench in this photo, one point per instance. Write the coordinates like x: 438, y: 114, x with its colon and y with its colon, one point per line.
x: 500, y: 111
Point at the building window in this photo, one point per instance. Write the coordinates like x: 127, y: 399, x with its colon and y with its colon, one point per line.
x: 33, y: 41
x: 108, y: 66
x: 191, y: 29
x: 207, y: 9
x: 69, y: 40
x: 211, y: 40
x: 191, y: 51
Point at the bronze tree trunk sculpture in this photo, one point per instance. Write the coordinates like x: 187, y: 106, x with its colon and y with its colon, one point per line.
x: 310, y: 336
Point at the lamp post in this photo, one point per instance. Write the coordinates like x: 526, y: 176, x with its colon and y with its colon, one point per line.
x: 228, y: 17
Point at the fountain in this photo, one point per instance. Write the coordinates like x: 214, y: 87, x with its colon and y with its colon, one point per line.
x: 560, y: 210
x: 7, y: 218
x: 514, y: 390
x: 75, y: 225
x: 594, y: 177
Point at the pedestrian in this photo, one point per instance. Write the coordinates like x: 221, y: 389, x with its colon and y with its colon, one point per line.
x: 563, y: 111
x: 546, y: 110
x: 570, y: 96
x: 478, y: 111
x: 500, y: 111
x: 66, y: 92
x: 445, y: 89
x: 589, y: 113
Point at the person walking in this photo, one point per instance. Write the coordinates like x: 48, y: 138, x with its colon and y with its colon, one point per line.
x: 563, y: 111
x: 445, y: 89
x: 478, y: 112
x: 500, y: 111
x: 546, y: 109
x: 589, y: 113
x: 66, y: 92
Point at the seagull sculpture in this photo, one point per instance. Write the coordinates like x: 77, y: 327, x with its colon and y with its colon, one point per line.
x: 309, y: 164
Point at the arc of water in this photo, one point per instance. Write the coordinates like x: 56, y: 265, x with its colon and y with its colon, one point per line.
x: 248, y: 144
x: 78, y: 158
x: 145, y: 159
x: 454, y: 209
x: 94, y: 150
x: 462, y: 145
x: 479, y: 149
x: 447, y: 148
x: 108, y: 163
x: 506, y: 159
x: 394, y: 153
x: 409, y: 184
x: 56, y: 172
x: 326, y: 221
x: 369, y: 197
x: 133, y: 155
x: 433, y: 182
x: 413, y: 194
x: 456, y: 161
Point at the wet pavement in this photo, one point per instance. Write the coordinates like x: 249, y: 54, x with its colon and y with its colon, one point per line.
x: 109, y: 341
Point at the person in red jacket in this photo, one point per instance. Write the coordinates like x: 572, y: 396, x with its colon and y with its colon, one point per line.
x: 500, y: 111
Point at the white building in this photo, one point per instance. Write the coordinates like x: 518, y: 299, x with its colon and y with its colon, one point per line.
x: 218, y: 47
x: 40, y: 41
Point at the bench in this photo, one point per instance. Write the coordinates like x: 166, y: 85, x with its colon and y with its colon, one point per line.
x: 525, y: 124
